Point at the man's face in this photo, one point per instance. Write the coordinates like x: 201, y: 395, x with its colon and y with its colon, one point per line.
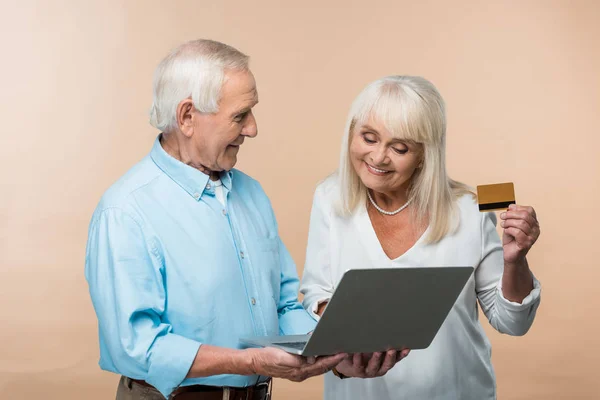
x: 217, y: 137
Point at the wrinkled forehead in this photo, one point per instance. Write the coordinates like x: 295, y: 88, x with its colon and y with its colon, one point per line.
x: 239, y: 87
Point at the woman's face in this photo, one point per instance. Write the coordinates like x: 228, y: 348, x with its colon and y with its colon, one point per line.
x: 383, y: 163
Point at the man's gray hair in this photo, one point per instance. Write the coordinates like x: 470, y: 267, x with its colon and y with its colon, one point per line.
x: 193, y: 70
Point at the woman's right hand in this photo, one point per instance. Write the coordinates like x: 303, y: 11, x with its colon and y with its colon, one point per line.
x: 277, y: 363
x: 371, y: 366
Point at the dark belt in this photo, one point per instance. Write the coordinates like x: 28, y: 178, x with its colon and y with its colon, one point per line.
x: 202, y: 392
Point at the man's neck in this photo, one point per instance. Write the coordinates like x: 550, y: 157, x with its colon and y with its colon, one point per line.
x: 175, y: 147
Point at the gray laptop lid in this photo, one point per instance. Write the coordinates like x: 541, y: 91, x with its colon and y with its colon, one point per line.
x: 389, y: 308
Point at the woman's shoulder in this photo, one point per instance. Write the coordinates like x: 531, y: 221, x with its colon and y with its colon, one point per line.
x: 328, y: 187
x: 469, y: 210
x: 326, y: 195
x: 468, y: 207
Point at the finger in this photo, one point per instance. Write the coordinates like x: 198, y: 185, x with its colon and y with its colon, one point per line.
x: 534, y: 225
x: 322, y: 365
x: 404, y: 353
x: 527, y: 209
x: 517, y: 223
x: 330, y: 361
x: 519, y: 215
x: 523, y: 241
x: 516, y: 233
x: 374, y: 364
x: 284, y: 358
x: 311, y: 360
x: 391, y: 358
x: 365, y: 357
x: 357, y: 362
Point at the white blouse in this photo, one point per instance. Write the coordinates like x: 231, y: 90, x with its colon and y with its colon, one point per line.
x: 457, y: 364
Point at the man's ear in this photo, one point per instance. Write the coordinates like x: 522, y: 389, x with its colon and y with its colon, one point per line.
x: 185, y: 117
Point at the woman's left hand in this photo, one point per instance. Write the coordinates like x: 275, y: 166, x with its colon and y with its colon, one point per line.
x: 370, y: 365
x: 521, y: 230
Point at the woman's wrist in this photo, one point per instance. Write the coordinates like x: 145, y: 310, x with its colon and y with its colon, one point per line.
x: 338, y: 374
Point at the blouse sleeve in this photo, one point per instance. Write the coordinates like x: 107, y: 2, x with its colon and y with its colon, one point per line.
x: 317, y: 283
x: 505, y: 316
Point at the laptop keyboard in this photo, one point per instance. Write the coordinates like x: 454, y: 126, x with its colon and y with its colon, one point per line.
x: 294, y: 345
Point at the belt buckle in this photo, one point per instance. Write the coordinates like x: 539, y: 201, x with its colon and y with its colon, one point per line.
x: 269, y: 385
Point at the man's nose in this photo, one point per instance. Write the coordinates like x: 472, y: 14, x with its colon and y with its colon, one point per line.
x: 250, y: 128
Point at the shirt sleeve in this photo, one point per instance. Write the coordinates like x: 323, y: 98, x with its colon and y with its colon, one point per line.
x: 505, y: 316
x: 293, y: 318
x: 126, y: 285
x: 317, y: 283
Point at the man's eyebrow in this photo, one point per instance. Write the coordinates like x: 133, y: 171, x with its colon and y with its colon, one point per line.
x: 246, y: 109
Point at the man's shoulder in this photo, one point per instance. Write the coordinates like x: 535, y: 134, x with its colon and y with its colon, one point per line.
x: 242, y: 178
x: 121, y: 194
x: 243, y: 181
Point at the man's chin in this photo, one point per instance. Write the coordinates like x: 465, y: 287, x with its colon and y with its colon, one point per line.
x: 229, y: 164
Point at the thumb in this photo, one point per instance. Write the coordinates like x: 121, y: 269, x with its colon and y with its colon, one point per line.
x: 506, y: 238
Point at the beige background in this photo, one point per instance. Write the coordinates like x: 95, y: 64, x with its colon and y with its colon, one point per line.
x: 523, y: 91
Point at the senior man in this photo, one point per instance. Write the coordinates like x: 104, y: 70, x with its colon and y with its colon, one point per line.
x: 184, y: 256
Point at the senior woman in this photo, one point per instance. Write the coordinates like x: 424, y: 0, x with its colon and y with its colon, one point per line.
x: 392, y: 204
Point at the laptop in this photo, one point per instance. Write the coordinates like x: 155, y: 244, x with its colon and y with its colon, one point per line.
x: 375, y: 310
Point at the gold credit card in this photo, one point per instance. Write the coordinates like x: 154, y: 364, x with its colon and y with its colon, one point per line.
x: 495, y: 197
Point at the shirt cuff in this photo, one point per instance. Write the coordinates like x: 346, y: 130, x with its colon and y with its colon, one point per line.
x: 170, y: 361
x: 315, y: 307
x: 296, y: 322
x: 532, y: 298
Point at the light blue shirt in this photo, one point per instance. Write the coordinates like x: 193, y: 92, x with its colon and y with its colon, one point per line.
x: 170, y: 268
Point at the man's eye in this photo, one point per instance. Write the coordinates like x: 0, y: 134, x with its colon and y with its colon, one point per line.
x: 240, y: 117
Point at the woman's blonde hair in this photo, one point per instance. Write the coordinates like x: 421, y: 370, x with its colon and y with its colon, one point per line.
x: 411, y: 109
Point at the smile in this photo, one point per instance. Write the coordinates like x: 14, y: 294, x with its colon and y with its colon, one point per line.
x: 376, y: 171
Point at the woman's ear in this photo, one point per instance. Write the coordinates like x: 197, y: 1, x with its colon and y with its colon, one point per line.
x: 185, y: 117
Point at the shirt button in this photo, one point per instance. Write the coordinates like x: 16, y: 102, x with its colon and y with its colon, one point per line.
x: 253, y: 300
x: 196, y: 196
x: 224, y: 212
x: 242, y: 254
x: 208, y: 186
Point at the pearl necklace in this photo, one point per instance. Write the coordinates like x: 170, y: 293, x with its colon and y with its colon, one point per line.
x: 387, y: 212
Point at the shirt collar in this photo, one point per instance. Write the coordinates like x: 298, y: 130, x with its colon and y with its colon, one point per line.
x: 189, y: 178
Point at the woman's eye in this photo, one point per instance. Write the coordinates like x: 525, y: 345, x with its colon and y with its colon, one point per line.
x: 400, y: 151
x: 368, y: 140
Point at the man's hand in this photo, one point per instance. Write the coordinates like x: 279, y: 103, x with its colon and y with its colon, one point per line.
x: 277, y: 363
x: 370, y: 366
